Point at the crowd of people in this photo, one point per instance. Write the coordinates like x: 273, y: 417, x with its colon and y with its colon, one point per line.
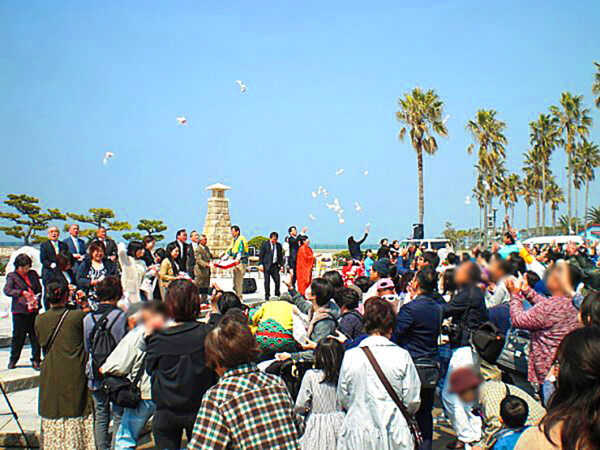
x: 505, y: 340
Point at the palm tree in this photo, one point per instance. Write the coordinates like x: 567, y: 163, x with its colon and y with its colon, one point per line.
x: 596, y: 85
x: 421, y: 112
x: 565, y: 225
x: 527, y: 192
x: 544, y: 138
x: 556, y: 196
x: 488, y: 134
x: 573, y: 122
x: 510, y: 188
x: 593, y: 215
x: 532, y: 168
x: 587, y: 158
x: 479, y: 194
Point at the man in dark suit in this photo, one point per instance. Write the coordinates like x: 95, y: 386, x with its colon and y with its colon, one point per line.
x: 294, y: 246
x: 75, y: 245
x: 191, y: 257
x: 270, y: 260
x: 182, y: 259
x: 110, y: 247
x: 49, y: 250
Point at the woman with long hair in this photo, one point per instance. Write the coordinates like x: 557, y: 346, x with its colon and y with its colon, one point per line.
x: 133, y: 269
x: 573, y: 418
x: 169, y: 269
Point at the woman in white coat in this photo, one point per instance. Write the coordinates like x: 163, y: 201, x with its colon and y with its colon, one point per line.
x: 373, y: 420
x: 133, y: 270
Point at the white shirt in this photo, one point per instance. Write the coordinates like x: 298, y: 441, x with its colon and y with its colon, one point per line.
x: 274, y: 248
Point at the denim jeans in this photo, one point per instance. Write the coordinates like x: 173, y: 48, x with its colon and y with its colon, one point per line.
x: 102, y: 415
x: 133, y: 423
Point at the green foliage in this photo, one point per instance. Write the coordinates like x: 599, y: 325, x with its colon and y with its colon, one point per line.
x: 593, y: 215
x: 563, y: 224
x: 133, y: 236
x: 3, y: 268
x: 461, y: 239
x: 152, y: 227
x: 29, y: 218
x: 257, y: 241
x: 341, y: 256
x: 99, y: 217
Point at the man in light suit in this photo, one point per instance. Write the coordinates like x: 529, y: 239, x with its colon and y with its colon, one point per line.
x: 202, y: 258
x: 270, y: 260
x: 49, y: 250
x: 75, y: 245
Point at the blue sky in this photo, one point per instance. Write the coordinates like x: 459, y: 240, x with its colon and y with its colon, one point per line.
x: 323, y: 79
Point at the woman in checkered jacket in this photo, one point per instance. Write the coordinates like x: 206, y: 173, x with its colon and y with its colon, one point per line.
x: 246, y: 408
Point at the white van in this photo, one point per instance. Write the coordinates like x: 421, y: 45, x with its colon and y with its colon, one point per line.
x: 543, y: 240
x: 429, y: 244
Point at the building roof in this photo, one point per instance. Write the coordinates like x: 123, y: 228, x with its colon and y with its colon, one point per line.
x: 218, y: 187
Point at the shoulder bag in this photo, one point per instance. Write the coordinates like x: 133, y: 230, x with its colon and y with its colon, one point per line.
x: 410, y: 419
x: 123, y: 392
x: 55, y: 333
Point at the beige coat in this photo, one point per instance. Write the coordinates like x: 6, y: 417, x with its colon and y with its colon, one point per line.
x: 165, y: 276
x: 203, y: 256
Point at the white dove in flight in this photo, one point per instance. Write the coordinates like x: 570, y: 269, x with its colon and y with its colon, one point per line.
x: 107, y: 156
x: 243, y: 87
x: 365, y: 173
x: 341, y: 219
x: 445, y: 119
x: 181, y: 120
x: 339, y: 171
x: 468, y: 200
x: 311, y: 217
x: 358, y: 207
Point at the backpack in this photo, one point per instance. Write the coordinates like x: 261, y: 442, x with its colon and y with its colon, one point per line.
x: 103, y: 342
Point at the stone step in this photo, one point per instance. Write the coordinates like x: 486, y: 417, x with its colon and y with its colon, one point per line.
x: 21, y: 378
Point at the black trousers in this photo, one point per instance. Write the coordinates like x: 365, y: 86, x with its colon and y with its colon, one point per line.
x: 293, y: 267
x: 424, y: 417
x: 168, y: 427
x: 273, y: 272
x: 23, y: 326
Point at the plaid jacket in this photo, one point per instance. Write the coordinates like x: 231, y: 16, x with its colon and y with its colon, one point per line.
x: 246, y: 409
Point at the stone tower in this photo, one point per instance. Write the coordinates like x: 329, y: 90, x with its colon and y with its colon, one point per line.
x: 218, y: 222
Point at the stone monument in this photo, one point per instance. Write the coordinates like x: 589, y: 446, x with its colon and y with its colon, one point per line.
x: 217, y: 225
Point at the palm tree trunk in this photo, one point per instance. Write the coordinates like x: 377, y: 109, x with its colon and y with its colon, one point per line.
x: 480, y: 221
x: 576, y: 211
x: 587, y: 192
x: 537, y: 213
x: 544, y: 200
x: 420, y: 171
x: 485, y: 221
x: 553, y: 217
x: 512, y: 214
x: 569, y: 183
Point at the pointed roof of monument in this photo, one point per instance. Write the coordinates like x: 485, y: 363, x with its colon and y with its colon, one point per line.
x: 218, y: 187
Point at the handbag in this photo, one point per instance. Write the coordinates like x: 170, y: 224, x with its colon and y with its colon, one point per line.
x: 488, y: 341
x: 429, y: 374
x: 123, y: 392
x: 410, y: 419
x: 514, y: 356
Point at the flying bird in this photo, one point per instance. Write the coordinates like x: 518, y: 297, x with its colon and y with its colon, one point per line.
x: 341, y: 219
x: 311, y: 217
x: 182, y: 120
x: 339, y: 171
x: 468, y: 200
x: 365, y: 173
x: 243, y: 87
x: 445, y: 119
x: 107, y: 156
x: 314, y: 195
x: 358, y: 207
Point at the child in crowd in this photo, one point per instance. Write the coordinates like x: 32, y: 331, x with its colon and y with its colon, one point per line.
x: 386, y: 290
x: 317, y: 399
x: 513, y: 415
x: 350, y: 323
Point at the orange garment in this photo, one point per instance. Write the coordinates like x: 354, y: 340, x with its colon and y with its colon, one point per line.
x: 304, y: 265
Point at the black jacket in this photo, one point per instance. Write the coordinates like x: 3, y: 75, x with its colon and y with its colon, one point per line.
x: 383, y: 252
x: 354, y: 247
x: 176, y: 363
x: 182, y: 259
x: 294, y: 246
x: 418, y: 327
x: 471, y: 299
x: 266, y: 254
x: 48, y: 256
